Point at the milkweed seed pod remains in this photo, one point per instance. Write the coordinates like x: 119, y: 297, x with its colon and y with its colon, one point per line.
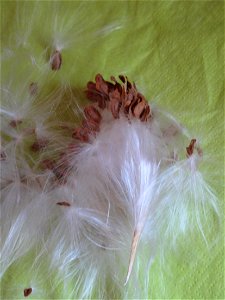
x: 124, y: 177
x: 90, y: 199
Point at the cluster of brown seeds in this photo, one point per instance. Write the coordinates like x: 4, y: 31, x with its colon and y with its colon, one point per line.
x: 118, y: 97
x: 114, y: 96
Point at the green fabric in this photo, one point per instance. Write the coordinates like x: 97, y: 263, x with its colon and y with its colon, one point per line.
x: 174, y: 52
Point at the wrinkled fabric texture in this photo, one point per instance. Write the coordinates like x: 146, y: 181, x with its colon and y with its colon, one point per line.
x: 174, y: 52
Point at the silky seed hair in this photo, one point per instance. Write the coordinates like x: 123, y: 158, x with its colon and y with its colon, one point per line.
x: 114, y: 185
x: 95, y: 203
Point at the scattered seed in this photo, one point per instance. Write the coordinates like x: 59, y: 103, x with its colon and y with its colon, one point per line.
x: 15, y: 123
x: 191, y: 147
x: 33, y: 89
x: 63, y: 203
x: 56, y: 60
x: 3, y: 156
x: 27, y: 292
x: 39, y: 145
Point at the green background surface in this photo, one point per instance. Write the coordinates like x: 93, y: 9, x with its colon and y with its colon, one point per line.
x: 174, y: 51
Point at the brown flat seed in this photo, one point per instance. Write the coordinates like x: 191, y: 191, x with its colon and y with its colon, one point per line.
x: 15, y: 123
x: 129, y: 85
x: 127, y: 104
x: 63, y: 203
x: 3, y: 156
x: 27, y: 292
x: 139, y: 108
x: 73, y: 147
x: 92, y: 95
x: 48, y: 164
x: 91, y: 125
x: 133, y: 104
x: 115, y: 94
x: 60, y: 173
x: 91, y: 113
x: 39, y: 145
x: 146, y: 113
x: 56, y: 60
x: 33, y: 89
x: 115, y: 106
x: 102, y: 101
x: 122, y: 78
x: 101, y: 85
x: 81, y: 134
x: 190, y: 148
x: 129, y: 99
x: 111, y: 87
x: 91, y: 85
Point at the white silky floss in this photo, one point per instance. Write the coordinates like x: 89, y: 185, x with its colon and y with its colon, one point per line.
x: 128, y: 183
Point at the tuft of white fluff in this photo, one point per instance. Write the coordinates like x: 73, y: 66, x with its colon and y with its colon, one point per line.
x: 131, y: 186
x: 130, y: 192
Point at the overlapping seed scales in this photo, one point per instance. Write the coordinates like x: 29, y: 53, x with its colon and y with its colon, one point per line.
x: 118, y: 98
